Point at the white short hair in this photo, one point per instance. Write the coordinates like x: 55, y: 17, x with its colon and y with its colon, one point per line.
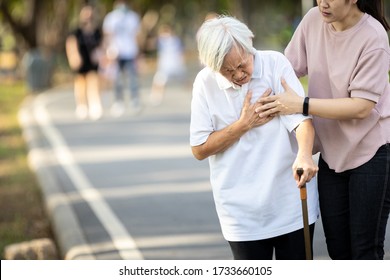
x: 217, y: 36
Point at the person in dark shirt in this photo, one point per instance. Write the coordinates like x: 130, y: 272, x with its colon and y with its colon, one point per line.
x: 82, y: 49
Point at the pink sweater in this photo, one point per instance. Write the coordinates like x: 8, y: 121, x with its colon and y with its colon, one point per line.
x: 352, y: 63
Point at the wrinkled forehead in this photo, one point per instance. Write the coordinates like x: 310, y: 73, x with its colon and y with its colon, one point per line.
x: 235, y: 56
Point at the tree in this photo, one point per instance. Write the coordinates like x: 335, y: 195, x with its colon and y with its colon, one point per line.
x: 22, y: 27
x: 39, y: 28
x: 36, y: 22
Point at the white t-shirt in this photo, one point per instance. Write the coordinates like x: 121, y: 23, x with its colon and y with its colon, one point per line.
x: 122, y: 25
x: 255, y: 194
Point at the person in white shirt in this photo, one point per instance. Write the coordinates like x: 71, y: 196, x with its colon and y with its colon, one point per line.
x: 252, y: 160
x: 170, y: 62
x: 121, y: 28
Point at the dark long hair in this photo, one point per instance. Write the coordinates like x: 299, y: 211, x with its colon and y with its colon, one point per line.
x: 376, y: 9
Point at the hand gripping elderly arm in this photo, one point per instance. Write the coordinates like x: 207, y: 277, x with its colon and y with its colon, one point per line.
x: 290, y: 103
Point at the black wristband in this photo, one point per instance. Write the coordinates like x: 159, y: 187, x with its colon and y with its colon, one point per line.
x: 305, y: 111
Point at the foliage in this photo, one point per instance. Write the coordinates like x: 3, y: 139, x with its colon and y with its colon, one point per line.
x: 38, y: 23
x: 22, y: 215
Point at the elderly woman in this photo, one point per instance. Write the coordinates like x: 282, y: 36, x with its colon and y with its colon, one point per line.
x: 253, y: 161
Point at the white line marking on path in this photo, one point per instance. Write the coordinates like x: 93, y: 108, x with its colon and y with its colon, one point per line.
x: 122, y: 240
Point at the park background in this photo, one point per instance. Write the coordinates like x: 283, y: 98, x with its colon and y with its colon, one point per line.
x: 32, y: 59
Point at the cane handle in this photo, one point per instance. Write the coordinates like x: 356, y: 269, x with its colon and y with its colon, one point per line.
x: 303, y: 188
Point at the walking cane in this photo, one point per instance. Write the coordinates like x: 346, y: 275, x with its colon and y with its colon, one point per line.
x: 306, y: 230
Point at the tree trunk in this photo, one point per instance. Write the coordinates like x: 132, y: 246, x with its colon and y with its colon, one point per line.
x: 27, y: 29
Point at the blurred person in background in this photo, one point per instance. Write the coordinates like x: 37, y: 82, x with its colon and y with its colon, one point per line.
x: 82, y: 49
x: 120, y: 28
x: 170, y: 62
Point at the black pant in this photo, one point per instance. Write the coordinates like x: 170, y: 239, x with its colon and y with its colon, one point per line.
x: 290, y: 246
x: 355, y: 206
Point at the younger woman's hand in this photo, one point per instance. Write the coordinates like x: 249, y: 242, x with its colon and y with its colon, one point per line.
x: 286, y: 103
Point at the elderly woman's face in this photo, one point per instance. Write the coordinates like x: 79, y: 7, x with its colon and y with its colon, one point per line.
x: 237, y: 66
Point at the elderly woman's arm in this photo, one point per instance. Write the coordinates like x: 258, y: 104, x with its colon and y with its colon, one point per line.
x: 305, y: 138
x: 220, y: 140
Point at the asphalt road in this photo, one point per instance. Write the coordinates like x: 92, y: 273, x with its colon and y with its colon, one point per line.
x: 128, y: 187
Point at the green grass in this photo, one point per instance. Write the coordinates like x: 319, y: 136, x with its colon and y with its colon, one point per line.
x: 22, y: 215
